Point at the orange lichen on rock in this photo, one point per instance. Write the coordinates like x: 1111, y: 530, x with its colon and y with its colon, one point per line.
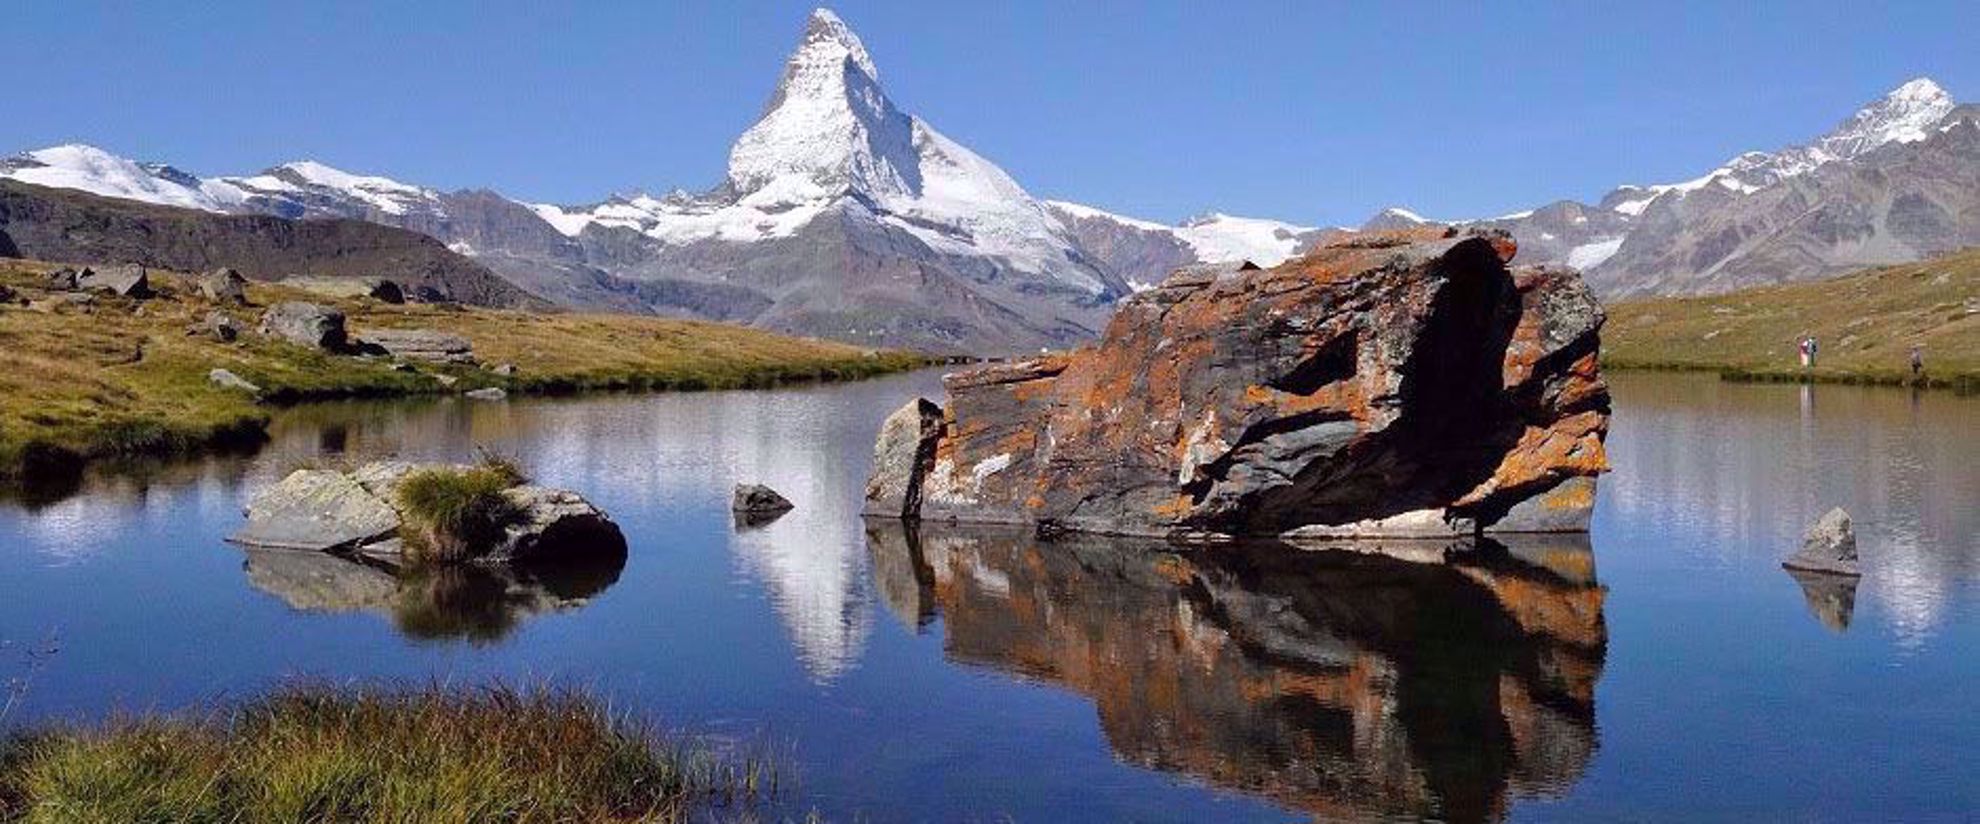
x: 1381, y: 374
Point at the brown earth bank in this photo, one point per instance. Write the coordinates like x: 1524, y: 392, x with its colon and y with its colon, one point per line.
x: 88, y: 374
x: 1397, y: 384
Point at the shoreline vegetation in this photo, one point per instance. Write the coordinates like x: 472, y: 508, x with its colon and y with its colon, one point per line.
x: 1866, y: 323
x: 92, y: 376
x: 310, y: 752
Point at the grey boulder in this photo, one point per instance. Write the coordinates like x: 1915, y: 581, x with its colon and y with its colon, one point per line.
x: 220, y: 326
x: 306, y: 324
x: 902, y: 456
x: 1829, y: 546
x: 224, y: 285
x: 757, y: 498
x: 555, y: 523
x: 317, y: 509
x: 486, y: 394
x: 129, y: 280
x: 421, y: 344
x: 229, y: 380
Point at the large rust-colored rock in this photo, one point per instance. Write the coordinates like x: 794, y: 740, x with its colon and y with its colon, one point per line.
x: 1393, y: 384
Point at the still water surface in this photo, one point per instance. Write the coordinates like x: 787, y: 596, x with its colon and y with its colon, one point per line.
x: 1662, y: 667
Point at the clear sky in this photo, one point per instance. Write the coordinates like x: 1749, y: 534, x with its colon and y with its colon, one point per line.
x: 1307, y: 111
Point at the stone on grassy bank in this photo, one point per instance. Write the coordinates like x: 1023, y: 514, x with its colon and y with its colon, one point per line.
x: 420, y: 344
x: 306, y: 324
x: 224, y: 286
x: 1406, y: 383
x: 129, y: 280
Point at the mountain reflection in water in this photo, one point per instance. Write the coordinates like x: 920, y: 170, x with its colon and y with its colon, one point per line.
x: 1341, y: 683
x: 472, y: 603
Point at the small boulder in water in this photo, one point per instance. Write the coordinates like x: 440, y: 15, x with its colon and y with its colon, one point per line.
x: 759, y: 499
x: 487, y: 394
x: 1829, y: 546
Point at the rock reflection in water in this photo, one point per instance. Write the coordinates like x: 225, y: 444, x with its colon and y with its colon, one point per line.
x: 473, y: 603
x: 1342, y: 683
x: 1831, y: 598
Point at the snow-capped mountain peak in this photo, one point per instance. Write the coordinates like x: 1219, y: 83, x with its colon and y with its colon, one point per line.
x: 313, y: 184
x: 90, y: 169
x: 1905, y: 115
x: 828, y: 129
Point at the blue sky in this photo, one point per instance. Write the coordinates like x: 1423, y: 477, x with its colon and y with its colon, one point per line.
x: 1307, y: 111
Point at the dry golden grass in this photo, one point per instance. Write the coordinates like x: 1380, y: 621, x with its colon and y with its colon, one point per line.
x: 333, y: 754
x: 1865, y: 322
x: 123, y: 377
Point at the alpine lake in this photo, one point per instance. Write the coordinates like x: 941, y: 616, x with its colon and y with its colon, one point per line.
x: 1662, y: 667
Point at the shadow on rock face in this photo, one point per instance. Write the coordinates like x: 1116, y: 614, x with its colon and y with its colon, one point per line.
x: 748, y: 520
x: 1831, y: 598
x: 474, y: 603
x: 1348, y: 684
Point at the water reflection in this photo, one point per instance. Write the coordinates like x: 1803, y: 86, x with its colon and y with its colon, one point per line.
x: 468, y: 603
x: 1831, y: 598
x: 1743, y: 468
x: 1345, y: 684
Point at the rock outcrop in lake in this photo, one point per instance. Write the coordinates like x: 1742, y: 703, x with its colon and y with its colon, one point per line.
x: 1402, y: 384
x: 361, y: 512
x: 1828, y: 547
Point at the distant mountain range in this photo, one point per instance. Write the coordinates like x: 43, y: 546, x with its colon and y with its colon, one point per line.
x: 1897, y: 181
x: 843, y: 216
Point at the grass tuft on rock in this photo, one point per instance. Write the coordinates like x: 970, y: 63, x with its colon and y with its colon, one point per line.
x: 341, y: 754
x: 454, y: 515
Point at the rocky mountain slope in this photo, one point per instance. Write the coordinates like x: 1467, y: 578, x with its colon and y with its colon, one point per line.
x: 841, y: 215
x: 1892, y: 183
x: 60, y: 224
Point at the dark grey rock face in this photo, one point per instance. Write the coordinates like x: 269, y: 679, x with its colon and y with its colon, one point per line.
x: 1829, y: 546
x: 62, y: 224
x: 306, y: 324
x: 902, y: 455
x: 758, y: 498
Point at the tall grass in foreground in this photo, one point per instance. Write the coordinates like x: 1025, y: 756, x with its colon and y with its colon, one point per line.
x: 311, y: 753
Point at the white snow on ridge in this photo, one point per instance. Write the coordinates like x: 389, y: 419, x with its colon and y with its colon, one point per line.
x: 1221, y: 238
x: 1214, y: 237
x: 1903, y: 116
x: 1588, y: 255
x: 93, y: 170
x: 310, y: 177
